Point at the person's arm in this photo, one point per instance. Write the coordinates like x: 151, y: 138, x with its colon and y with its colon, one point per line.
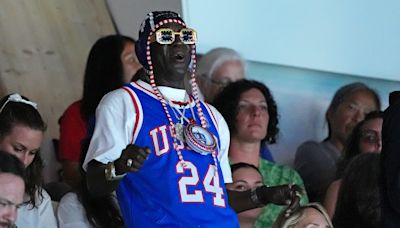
x: 71, y: 174
x: 331, y: 197
x: 115, y: 121
x: 97, y: 182
x: 47, y: 219
x: 71, y: 213
x: 281, y: 195
x: 72, y: 131
x: 310, y: 163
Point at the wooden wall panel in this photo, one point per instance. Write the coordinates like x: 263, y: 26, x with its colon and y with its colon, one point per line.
x: 43, y: 49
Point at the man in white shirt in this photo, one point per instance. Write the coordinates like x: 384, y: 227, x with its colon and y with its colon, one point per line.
x: 12, y: 188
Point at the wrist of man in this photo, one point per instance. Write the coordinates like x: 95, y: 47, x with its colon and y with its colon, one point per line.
x: 111, y: 173
x: 258, y: 196
x: 120, y: 167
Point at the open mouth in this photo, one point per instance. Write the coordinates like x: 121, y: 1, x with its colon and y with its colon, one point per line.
x: 179, y: 56
x: 5, y: 224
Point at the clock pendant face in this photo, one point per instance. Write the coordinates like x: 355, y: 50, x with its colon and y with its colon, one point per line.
x: 199, y: 139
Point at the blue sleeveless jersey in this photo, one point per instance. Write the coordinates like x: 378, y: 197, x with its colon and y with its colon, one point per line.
x: 163, y: 193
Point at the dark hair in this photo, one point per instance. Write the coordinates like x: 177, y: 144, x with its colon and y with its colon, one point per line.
x: 389, y: 165
x: 228, y: 100
x: 342, y: 94
x: 11, y: 164
x: 240, y: 165
x: 23, y: 114
x: 104, y: 71
x: 101, y: 211
x: 394, y: 97
x: 359, y: 203
x: 352, y: 147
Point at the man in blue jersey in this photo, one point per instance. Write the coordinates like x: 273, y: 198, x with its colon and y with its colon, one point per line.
x: 165, y: 151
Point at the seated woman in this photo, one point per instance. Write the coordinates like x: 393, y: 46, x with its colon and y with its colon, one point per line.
x: 310, y: 215
x: 316, y: 161
x: 359, y: 202
x: 246, y: 177
x: 251, y: 114
x: 365, y: 138
x: 21, y: 134
x: 216, y: 69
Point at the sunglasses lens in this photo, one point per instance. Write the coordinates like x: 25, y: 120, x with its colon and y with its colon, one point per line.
x: 188, y: 36
x: 165, y: 36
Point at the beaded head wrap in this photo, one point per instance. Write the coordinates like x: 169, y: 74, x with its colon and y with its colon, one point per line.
x: 149, y: 26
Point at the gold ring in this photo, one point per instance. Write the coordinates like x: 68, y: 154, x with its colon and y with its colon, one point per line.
x: 129, y: 162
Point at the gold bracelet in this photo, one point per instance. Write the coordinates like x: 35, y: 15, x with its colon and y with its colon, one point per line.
x: 110, y: 173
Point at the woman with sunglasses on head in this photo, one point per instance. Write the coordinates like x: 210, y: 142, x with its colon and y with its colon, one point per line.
x: 311, y: 215
x: 365, y: 138
x: 21, y: 134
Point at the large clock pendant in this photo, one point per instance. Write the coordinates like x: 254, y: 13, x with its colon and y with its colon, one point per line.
x: 199, y: 139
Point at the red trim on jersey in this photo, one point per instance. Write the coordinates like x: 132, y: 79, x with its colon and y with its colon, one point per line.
x: 143, y: 88
x: 211, y: 114
x: 137, y: 113
x: 180, y: 103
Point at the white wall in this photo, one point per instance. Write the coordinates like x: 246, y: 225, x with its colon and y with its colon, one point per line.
x: 129, y: 14
x: 358, y: 37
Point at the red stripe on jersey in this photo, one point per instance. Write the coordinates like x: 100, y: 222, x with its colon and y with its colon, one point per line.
x: 211, y: 114
x: 137, y: 113
x: 143, y: 88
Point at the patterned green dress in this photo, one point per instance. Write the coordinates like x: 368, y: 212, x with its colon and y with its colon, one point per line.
x: 274, y: 174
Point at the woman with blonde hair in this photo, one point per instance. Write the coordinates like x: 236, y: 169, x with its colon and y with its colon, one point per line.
x: 310, y: 214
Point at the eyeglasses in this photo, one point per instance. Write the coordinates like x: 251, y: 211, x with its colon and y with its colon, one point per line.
x: 17, y: 98
x: 167, y: 36
x: 220, y: 83
x: 354, y: 108
x: 370, y: 136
